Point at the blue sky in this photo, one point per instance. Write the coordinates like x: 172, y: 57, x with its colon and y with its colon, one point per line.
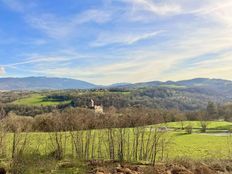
x: 110, y: 41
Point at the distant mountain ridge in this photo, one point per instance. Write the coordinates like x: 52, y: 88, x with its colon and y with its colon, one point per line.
x: 196, y: 82
x: 39, y: 83
x: 219, y: 89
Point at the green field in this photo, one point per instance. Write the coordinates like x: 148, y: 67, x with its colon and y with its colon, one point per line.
x: 211, y: 125
x: 38, y: 100
x: 199, y: 146
x: 196, y: 145
x: 40, y: 145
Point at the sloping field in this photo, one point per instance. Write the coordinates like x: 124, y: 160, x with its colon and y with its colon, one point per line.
x: 213, y: 125
x: 38, y: 100
x: 95, y: 143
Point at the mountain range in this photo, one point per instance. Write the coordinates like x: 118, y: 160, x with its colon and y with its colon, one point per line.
x: 39, y: 83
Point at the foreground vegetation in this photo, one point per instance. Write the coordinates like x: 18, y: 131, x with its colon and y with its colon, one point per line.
x: 179, y: 143
x: 140, y: 144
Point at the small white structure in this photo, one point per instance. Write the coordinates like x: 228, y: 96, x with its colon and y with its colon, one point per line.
x: 92, y: 103
x: 97, y: 108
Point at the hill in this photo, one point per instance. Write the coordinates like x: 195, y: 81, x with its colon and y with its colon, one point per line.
x: 38, y: 83
x: 197, y: 82
x: 217, y: 88
x: 196, y: 90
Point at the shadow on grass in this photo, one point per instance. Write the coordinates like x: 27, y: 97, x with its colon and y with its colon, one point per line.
x: 182, y: 133
x: 37, y: 164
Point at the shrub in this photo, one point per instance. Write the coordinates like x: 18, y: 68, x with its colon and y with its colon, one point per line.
x: 203, y: 126
x: 46, y: 122
x: 189, y: 129
x: 14, y: 123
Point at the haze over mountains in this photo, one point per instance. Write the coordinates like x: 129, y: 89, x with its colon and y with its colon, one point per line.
x: 217, y: 88
x: 186, y: 94
x: 37, y: 83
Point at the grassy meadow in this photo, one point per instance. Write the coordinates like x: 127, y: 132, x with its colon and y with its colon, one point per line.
x: 39, y: 147
x: 38, y: 100
x: 196, y: 145
x: 211, y: 125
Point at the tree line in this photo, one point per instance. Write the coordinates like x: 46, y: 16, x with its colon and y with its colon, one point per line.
x: 84, y: 118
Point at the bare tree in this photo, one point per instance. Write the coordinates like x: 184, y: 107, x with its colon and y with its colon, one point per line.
x: 181, y: 117
x: 204, y: 125
x: 57, y: 137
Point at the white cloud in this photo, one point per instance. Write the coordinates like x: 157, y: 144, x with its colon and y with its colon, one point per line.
x: 218, y: 11
x: 93, y: 15
x: 54, y: 25
x: 65, y: 28
x: 154, y: 7
x: 2, y: 71
x: 38, y: 59
x: 51, y: 25
x: 14, y: 5
x: 107, y: 38
x: 61, y: 57
x: 20, y: 6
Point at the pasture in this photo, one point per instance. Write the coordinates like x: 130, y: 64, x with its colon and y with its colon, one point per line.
x: 38, y: 100
x: 211, y: 125
x: 180, y: 144
x: 136, y: 144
